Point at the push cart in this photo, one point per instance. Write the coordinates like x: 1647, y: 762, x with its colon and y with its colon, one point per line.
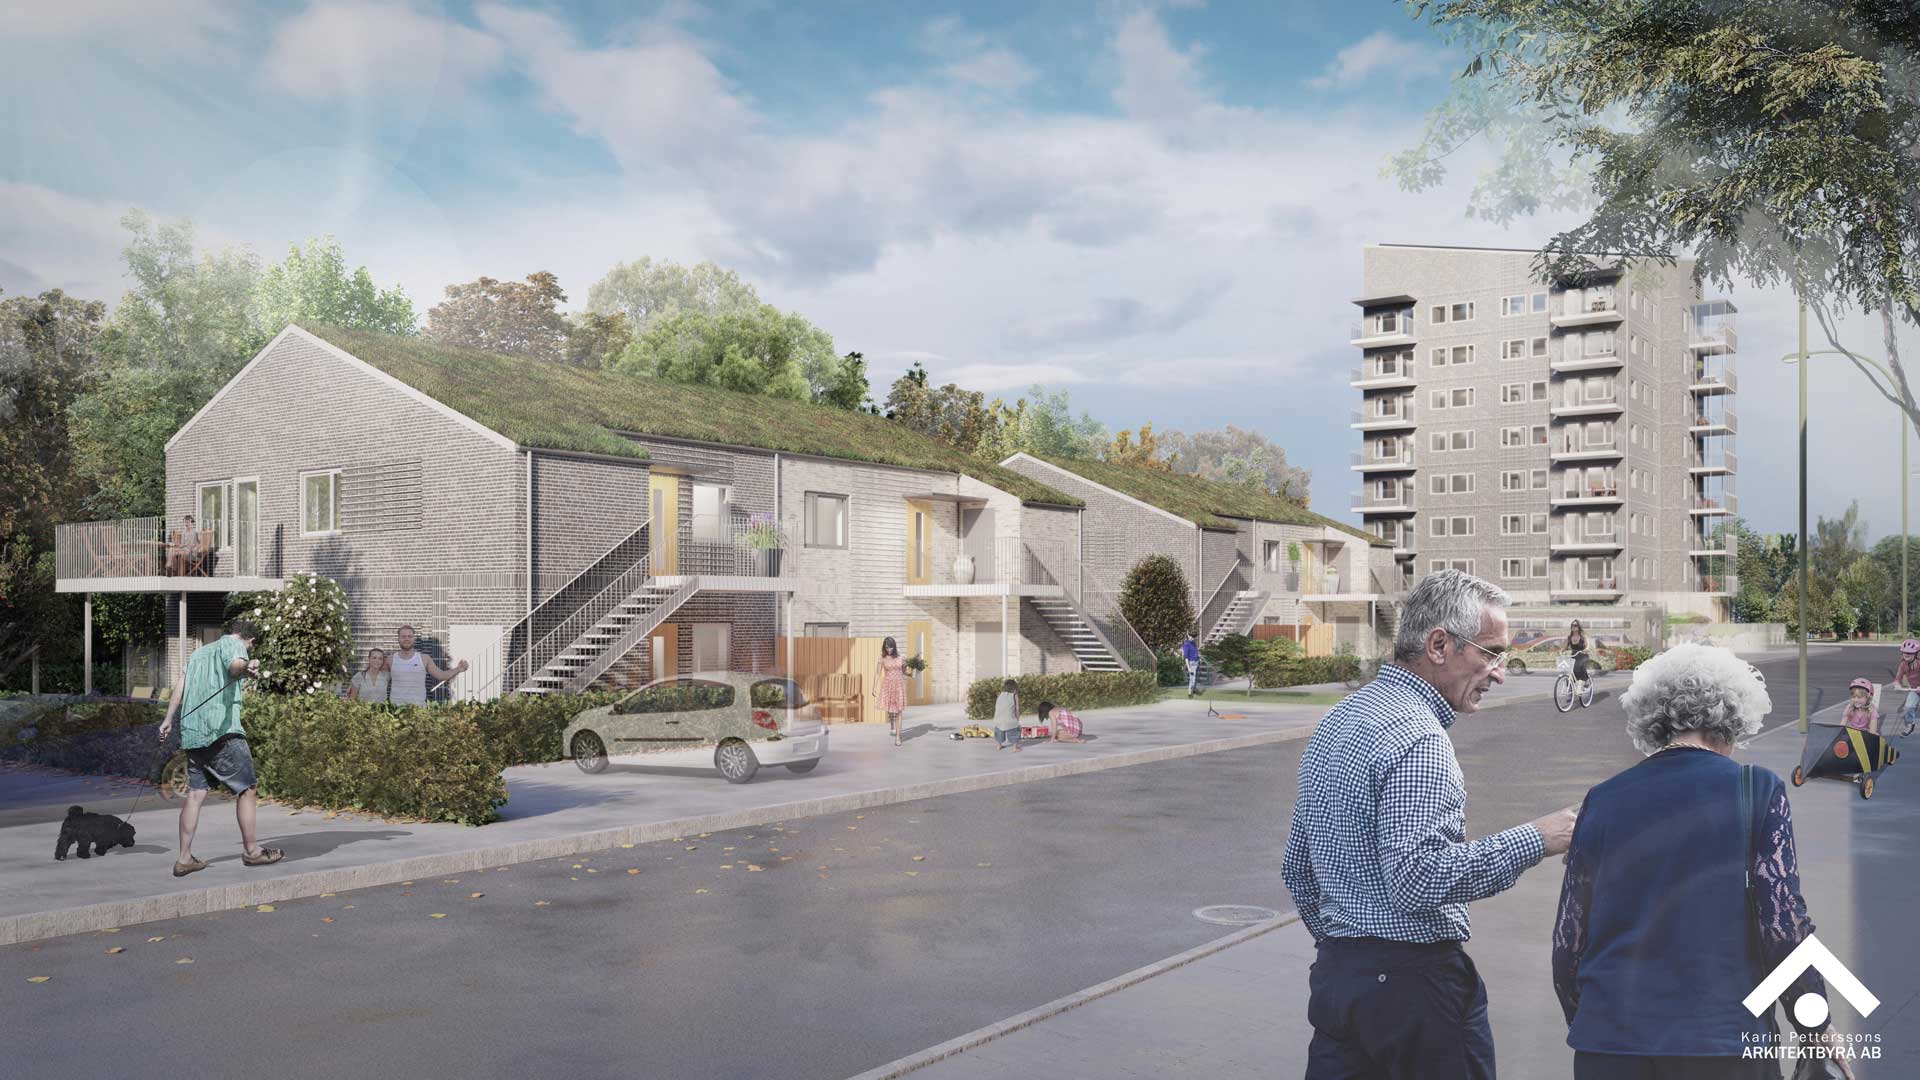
x: 1835, y: 751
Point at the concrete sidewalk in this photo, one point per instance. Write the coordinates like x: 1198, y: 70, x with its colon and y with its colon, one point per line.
x: 553, y: 810
x: 1236, y: 1009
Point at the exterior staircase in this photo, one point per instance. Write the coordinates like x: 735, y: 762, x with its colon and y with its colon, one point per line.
x: 615, y: 634
x: 1234, y: 620
x: 1072, y: 626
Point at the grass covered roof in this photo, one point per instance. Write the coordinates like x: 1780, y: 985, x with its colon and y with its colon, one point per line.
x: 1206, y: 503
x: 562, y: 407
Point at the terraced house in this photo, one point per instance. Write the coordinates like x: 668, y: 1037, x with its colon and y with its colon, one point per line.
x: 561, y: 528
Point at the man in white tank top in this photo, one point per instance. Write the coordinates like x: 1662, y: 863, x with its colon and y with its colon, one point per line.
x: 410, y: 670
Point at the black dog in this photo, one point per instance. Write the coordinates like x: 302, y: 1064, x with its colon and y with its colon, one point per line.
x: 95, y: 833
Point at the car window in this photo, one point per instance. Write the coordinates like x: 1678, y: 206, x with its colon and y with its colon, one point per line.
x: 679, y: 695
x: 777, y: 694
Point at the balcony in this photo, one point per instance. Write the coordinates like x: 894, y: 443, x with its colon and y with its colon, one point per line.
x: 1587, y: 496
x: 1605, y: 405
x: 1711, y: 505
x: 1001, y: 566
x: 1368, y: 503
x: 1574, y: 542
x: 1586, y: 589
x: 1720, y: 421
x: 1713, y: 338
x: 1716, y: 463
x: 1381, y: 331
x: 1702, y: 546
x: 146, y: 555
x: 1373, y: 375
x: 1586, y: 362
x: 729, y: 552
x: 1603, y: 311
x: 1715, y: 584
x: 1717, y: 379
x: 1364, y: 461
x: 1375, y: 419
x: 1571, y: 449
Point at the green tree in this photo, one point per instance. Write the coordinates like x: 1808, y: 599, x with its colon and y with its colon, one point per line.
x: 1156, y: 601
x: 1887, y: 554
x: 1144, y: 454
x: 516, y: 318
x: 49, y: 356
x: 595, y: 340
x: 954, y: 416
x: 1235, y: 455
x: 844, y: 385
x: 645, y: 291
x: 765, y: 351
x: 1043, y: 424
x: 1873, y: 594
x: 1773, y: 139
x: 313, y: 286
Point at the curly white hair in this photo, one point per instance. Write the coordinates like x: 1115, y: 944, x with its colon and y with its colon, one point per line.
x: 1694, y: 688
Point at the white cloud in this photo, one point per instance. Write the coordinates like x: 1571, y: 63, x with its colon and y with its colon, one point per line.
x: 375, y: 49
x: 53, y: 239
x: 973, y: 58
x: 158, y: 24
x: 1379, y: 54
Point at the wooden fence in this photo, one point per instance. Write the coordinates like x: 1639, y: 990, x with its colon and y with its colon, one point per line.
x: 836, y: 674
x: 1316, y: 639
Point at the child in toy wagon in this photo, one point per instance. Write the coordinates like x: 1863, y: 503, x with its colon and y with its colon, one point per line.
x: 1860, y: 714
x: 1063, y: 725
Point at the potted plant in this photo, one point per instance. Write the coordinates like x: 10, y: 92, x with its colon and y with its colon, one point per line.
x: 916, y: 664
x: 1333, y: 579
x: 762, y: 537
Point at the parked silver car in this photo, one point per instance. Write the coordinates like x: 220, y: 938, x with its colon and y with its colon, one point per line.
x: 748, y: 720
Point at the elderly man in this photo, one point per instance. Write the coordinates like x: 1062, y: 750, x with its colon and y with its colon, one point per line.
x: 1378, y: 860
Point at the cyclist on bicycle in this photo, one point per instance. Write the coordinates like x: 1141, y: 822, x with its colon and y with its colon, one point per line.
x: 1577, y: 645
x: 1907, y: 677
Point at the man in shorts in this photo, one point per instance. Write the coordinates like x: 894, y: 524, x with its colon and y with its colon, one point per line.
x: 215, y: 743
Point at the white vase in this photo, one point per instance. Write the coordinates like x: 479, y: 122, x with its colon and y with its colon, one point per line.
x: 1333, y: 581
x: 963, y: 570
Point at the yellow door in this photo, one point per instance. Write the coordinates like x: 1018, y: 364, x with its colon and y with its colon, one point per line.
x: 664, y: 489
x: 919, y: 543
x: 920, y: 644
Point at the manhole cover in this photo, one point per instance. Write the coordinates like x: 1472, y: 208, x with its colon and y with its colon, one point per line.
x: 1235, y: 914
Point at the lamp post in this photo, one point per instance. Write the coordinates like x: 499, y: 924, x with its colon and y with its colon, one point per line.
x: 1801, y: 358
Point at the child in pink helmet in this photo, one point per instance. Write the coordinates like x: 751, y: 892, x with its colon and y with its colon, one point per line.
x: 1907, y: 677
x: 1860, y: 712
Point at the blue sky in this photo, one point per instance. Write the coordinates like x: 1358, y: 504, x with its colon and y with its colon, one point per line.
x: 1157, y: 207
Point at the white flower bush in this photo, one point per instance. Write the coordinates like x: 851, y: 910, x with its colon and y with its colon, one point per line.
x: 306, y: 640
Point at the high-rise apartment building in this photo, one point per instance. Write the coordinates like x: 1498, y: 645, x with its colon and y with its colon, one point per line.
x: 1571, y: 441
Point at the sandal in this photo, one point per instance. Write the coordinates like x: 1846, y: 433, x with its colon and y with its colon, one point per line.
x: 267, y: 855
x: 182, y: 869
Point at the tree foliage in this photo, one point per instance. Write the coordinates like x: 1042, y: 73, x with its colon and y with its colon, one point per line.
x: 511, y: 317
x: 306, y: 643
x: 1144, y: 454
x: 313, y: 285
x: 645, y: 291
x: 49, y: 356
x: 1235, y: 455
x: 949, y: 414
x: 1156, y: 601
x: 1774, y: 139
x: 595, y: 340
x: 1040, y: 423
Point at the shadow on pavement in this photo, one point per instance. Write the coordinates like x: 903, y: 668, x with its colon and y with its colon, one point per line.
x: 311, y: 845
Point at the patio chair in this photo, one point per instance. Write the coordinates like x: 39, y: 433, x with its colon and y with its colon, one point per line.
x: 199, y: 561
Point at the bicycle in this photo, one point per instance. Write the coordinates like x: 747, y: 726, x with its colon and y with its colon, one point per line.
x: 1564, y: 697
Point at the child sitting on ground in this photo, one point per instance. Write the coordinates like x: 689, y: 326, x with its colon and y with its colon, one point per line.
x: 1860, y: 714
x: 1063, y: 725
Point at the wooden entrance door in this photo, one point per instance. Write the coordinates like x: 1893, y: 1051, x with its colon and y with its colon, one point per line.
x: 664, y: 491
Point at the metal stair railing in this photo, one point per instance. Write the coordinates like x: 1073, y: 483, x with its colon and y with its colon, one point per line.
x: 1206, y: 623
x: 565, y: 634
x: 583, y: 677
x: 519, y: 641
x: 1138, y: 654
x: 1037, y: 568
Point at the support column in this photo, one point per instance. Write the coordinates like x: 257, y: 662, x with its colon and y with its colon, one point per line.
x: 1006, y: 631
x: 786, y: 620
x: 86, y: 645
x: 183, y: 639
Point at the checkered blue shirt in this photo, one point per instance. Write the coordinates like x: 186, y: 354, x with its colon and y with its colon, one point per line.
x: 1379, y: 844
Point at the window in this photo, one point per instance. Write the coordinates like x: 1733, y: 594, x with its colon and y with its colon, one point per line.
x: 1513, y: 436
x: 1513, y: 481
x: 1539, y: 302
x: 1463, y: 398
x: 1461, y: 312
x: 1633, y: 434
x: 1462, y: 354
x: 1513, y: 305
x: 319, y: 503
x: 1465, y: 566
x: 1540, y: 390
x: 1539, y: 567
x: 1462, y: 440
x: 1274, y: 553
x: 1539, y: 479
x: 1463, y: 526
x: 1513, y: 393
x: 1439, y: 358
x: 1439, y: 484
x: 1437, y: 565
x: 213, y: 511
x: 825, y: 629
x: 826, y: 524
x: 1633, y: 344
x: 1513, y: 525
x: 710, y: 512
x: 1463, y: 483
x: 1513, y: 568
x: 1439, y: 442
x: 1539, y: 523
x: 1437, y: 526
x: 1515, y: 349
x: 1633, y: 389
x: 1539, y: 346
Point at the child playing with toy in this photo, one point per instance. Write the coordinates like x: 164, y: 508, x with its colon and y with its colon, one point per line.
x: 1062, y: 725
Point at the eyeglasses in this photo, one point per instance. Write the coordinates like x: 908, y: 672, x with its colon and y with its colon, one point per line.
x: 1499, y: 658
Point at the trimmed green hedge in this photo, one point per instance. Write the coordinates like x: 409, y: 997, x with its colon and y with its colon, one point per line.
x: 1080, y: 690
x: 101, y: 738
x: 1304, y: 671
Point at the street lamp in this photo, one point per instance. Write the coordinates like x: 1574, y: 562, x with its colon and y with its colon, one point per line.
x: 1800, y: 357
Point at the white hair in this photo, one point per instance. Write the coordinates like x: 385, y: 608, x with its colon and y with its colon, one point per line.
x: 1694, y: 688
x: 1450, y: 600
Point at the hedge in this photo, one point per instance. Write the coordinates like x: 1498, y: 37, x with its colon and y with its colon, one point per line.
x: 1171, y: 668
x: 1081, y: 690
x: 1305, y: 671
x: 102, y: 738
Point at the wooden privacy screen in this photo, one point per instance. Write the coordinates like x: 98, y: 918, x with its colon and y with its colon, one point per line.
x: 837, y: 674
x: 1316, y: 639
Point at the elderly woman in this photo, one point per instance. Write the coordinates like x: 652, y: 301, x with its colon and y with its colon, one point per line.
x: 1655, y: 943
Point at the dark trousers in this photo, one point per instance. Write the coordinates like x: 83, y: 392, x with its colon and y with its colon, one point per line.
x: 1390, y: 1010
x: 1591, y: 1066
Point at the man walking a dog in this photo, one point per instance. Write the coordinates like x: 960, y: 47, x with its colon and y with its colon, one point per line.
x: 215, y: 743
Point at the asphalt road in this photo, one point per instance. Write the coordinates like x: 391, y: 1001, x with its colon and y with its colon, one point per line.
x: 859, y: 938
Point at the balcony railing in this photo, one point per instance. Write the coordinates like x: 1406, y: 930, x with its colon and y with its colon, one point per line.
x: 1715, y: 583
x: 1590, y: 491
x: 734, y: 544
x: 1380, y: 327
x: 1719, y: 459
x: 1716, y: 375
x: 1717, y: 336
x: 1402, y: 413
x: 1582, y: 446
x: 1583, y: 537
x: 1725, y: 502
x: 1363, y: 501
x: 1004, y: 560
x: 150, y: 547
x: 1590, y: 584
x: 1718, y: 417
x: 1372, y: 369
x: 1581, y: 401
x: 1361, y: 458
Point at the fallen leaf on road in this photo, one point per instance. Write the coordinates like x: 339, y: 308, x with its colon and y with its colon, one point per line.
x: 184, y: 960
x: 693, y: 847
x: 576, y: 866
x: 726, y: 866
x: 116, y: 949
x: 786, y: 858
x: 406, y: 883
x: 983, y: 865
x: 859, y: 817
x: 438, y: 915
x: 852, y: 828
x: 349, y: 907
x: 540, y: 903
x: 633, y: 871
x: 726, y: 849
x: 703, y: 836
x: 450, y: 881
x: 591, y: 870
x: 840, y: 849
x: 324, y: 895
x: 326, y: 918
x: 111, y: 930
x: 475, y: 896
x: 913, y: 873
x: 406, y: 893
x: 573, y: 877
x: 266, y: 907
x: 38, y: 978
x: 626, y: 845
x: 752, y: 869
x: 151, y: 940
x: 697, y: 892
x: 919, y: 858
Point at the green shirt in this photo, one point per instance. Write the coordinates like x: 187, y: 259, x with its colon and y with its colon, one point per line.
x: 206, y: 676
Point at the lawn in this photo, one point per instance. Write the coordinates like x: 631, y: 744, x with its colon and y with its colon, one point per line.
x: 1269, y: 697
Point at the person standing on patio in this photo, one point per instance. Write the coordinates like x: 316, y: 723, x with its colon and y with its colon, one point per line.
x: 1378, y: 859
x: 216, y: 744
x: 408, y: 671
x: 1190, y: 652
x: 890, y: 686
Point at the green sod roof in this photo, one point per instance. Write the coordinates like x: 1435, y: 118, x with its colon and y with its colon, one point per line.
x: 1204, y: 502
x: 561, y: 407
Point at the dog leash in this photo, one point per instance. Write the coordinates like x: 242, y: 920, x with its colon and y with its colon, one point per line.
x: 231, y: 679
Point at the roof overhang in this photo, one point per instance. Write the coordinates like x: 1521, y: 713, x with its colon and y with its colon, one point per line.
x: 1385, y: 298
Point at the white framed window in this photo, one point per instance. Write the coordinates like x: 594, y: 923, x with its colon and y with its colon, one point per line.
x: 824, y: 629
x: 1460, y: 312
x: 1437, y: 526
x: 1513, y: 436
x: 1516, y: 349
x: 1463, y: 526
x: 214, y: 510
x: 1539, y: 567
x: 710, y: 512
x: 1462, y: 354
x: 1463, y: 483
x: 826, y: 520
x: 1540, y: 346
x: 1539, y: 435
x: 1513, y: 481
x: 1461, y: 440
x: 320, y: 503
x: 1540, y: 390
x: 1539, y: 523
x: 1465, y: 566
x: 1633, y: 389
x: 1633, y: 344
x: 1439, y: 483
x: 1438, y: 442
x: 1513, y: 525
x: 1513, y: 393
x: 1539, y: 303
x: 1439, y: 315
x: 1513, y: 305
x: 1633, y: 434
x: 1513, y: 568
x: 1539, y: 479
x: 1463, y: 397
x: 1437, y: 565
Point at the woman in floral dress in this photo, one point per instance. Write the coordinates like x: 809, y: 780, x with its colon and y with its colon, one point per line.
x: 890, y: 686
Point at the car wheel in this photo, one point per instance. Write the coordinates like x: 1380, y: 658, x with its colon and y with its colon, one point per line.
x: 1517, y: 666
x: 735, y: 761
x: 1866, y: 788
x: 589, y: 752
x: 1799, y: 775
x: 803, y: 766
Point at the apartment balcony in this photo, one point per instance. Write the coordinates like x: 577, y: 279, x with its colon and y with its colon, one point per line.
x: 1715, y: 464
x: 1369, y: 375
x: 1373, y: 419
x: 1363, y: 461
x: 1574, y: 498
x: 1709, y: 339
x: 146, y: 555
x: 1378, y: 333
x: 1002, y: 566
x: 1714, y: 505
x: 1716, y: 584
x: 1714, y: 380
x: 1586, y: 406
x: 1585, y: 543
x: 1721, y: 421
x: 1594, y: 313
x: 1586, y: 589
x: 1367, y: 503
x: 1573, y: 450
x: 729, y: 552
x: 1597, y: 362
x: 1710, y: 547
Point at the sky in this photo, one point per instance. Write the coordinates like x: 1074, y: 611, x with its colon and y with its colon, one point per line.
x: 1157, y: 207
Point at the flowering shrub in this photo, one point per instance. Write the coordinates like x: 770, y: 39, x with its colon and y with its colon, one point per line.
x: 305, y: 644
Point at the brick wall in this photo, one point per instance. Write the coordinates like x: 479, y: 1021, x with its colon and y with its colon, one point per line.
x: 582, y: 507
